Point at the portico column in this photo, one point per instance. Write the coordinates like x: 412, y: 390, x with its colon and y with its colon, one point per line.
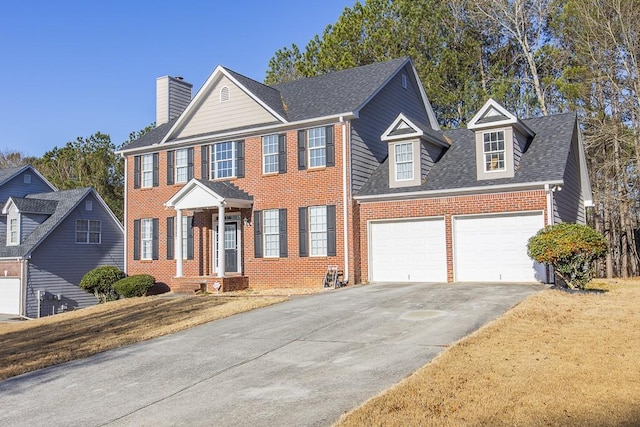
x: 178, y: 243
x: 221, y: 240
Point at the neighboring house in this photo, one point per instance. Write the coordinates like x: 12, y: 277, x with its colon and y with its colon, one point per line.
x: 49, y: 240
x: 348, y: 169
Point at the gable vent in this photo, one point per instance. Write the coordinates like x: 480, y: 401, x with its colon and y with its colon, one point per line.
x: 224, y: 94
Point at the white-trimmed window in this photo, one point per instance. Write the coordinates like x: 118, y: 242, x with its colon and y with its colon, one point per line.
x: 88, y: 231
x: 146, y: 238
x: 223, y: 160
x: 182, y: 166
x: 147, y: 170
x: 494, y: 151
x: 318, y: 230
x: 317, y: 140
x: 270, y: 154
x: 403, y: 155
x: 271, y: 219
x: 13, y: 230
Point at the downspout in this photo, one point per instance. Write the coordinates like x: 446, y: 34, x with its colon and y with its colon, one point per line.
x: 124, y: 252
x: 549, y: 194
x: 345, y: 218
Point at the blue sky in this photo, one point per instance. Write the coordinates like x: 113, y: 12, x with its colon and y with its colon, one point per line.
x: 73, y: 68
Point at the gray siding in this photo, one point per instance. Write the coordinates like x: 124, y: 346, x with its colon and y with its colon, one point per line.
x: 59, y: 263
x: 367, y: 150
x: 519, y: 146
x: 430, y: 154
x: 29, y: 222
x: 16, y: 186
x: 569, y: 203
x: 3, y: 229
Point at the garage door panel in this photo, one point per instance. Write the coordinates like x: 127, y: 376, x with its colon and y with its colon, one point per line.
x: 9, y: 295
x: 408, y: 251
x: 494, y: 248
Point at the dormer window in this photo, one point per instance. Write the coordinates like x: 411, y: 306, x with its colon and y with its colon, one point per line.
x: 494, y: 151
x: 404, y: 161
x: 13, y: 230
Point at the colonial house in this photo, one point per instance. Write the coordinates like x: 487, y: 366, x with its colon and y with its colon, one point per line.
x: 267, y: 186
x: 48, y: 240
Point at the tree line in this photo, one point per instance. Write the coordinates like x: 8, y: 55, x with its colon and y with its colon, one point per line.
x: 536, y: 57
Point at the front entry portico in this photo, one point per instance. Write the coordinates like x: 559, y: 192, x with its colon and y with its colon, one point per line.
x: 218, y: 197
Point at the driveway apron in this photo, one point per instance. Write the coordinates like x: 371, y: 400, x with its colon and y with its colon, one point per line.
x: 302, y: 362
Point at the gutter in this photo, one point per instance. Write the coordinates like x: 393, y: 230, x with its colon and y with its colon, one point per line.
x: 237, y: 134
x: 455, y: 191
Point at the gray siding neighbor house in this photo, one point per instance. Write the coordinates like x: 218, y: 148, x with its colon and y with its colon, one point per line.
x: 50, y: 239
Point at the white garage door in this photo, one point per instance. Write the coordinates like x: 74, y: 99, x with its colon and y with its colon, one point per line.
x: 9, y: 295
x: 408, y: 251
x: 493, y: 248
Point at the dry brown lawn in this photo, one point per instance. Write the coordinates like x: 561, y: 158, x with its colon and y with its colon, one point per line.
x: 35, y: 344
x: 556, y: 359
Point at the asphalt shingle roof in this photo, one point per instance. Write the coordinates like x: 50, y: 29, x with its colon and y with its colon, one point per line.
x: 36, y: 206
x: 65, y: 200
x: 329, y: 94
x: 544, y: 160
x: 226, y: 189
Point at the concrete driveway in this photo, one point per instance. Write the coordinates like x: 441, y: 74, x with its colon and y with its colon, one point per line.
x: 302, y: 362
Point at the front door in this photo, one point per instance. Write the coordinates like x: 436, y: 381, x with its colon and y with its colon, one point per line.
x: 231, y: 247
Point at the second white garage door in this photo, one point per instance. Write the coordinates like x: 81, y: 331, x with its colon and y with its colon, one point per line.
x: 493, y: 248
x: 9, y: 295
x: 408, y: 251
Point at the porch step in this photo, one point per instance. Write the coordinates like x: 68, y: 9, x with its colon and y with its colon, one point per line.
x: 191, y: 285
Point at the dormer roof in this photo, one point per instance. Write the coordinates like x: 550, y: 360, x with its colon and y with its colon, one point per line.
x: 492, y: 114
x: 404, y: 127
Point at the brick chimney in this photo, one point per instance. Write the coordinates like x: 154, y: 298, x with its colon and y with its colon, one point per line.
x: 173, y: 95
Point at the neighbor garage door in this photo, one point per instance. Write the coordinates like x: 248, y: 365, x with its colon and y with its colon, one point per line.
x: 9, y: 295
x: 493, y: 248
x: 408, y: 251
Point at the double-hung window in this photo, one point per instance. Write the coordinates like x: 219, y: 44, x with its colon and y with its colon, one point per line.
x: 182, y: 165
x: 271, y: 233
x: 270, y: 154
x: 317, y: 147
x: 146, y: 238
x: 88, y: 231
x: 224, y: 160
x: 404, y: 161
x: 494, y: 151
x: 318, y: 230
x: 13, y: 237
x: 147, y: 170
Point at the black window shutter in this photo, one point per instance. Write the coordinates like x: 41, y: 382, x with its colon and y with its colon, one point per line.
x: 330, y: 146
x: 282, y: 153
x: 331, y: 230
x: 257, y: 234
x: 302, y: 231
x: 240, y: 159
x: 156, y: 179
x: 170, y: 233
x: 189, y: 238
x: 136, y: 239
x: 155, y: 238
x: 204, y: 161
x: 302, y: 149
x: 136, y: 171
x: 170, y: 173
x: 282, y: 218
x: 189, y: 164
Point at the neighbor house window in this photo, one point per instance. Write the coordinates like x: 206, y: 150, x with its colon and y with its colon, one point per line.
x: 223, y: 160
x: 147, y: 170
x: 271, y: 233
x: 88, y: 231
x: 146, y: 238
x: 494, y: 151
x: 318, y: 230
x: 182, y: 166
x: 404, y: 161
x: 317, y: 147
x: 270, y: 154
x: 13, y: 236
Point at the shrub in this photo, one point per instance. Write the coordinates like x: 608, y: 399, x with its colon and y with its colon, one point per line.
x: 99, y: 282
x: 571, y: 249
x: 134, y: 286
